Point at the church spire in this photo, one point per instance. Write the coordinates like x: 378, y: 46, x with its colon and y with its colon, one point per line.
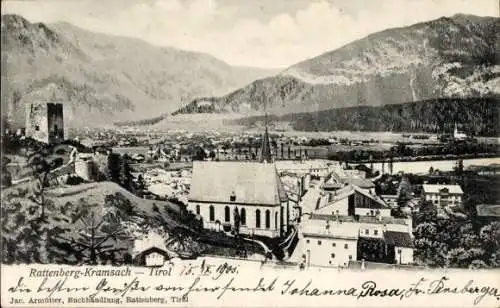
x: 265, y: 151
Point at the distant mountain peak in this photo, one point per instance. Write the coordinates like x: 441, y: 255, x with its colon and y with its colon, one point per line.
x: 446, y: 57
x: 103, y: 78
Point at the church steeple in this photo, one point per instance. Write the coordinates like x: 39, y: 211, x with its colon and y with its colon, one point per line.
x: 265, y: 150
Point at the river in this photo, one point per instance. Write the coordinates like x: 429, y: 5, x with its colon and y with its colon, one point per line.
x: 442, y: 165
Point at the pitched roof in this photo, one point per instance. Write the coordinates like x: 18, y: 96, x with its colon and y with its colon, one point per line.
x: 436, y: 188
x: 488, y: 210
x: 331, y: 230
x: 382, y: 220
x: 400, y: 239
x: 251, y: 182
x: 348, y: 190
x: 265, y: 151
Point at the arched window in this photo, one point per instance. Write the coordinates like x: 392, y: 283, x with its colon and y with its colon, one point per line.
x: 257, y: 219
x: 276, y: 220
x: 212, y: 213
x: 227, y: 214
x: 243, y: 217
x: 268, y: 219
x: 197, y: 209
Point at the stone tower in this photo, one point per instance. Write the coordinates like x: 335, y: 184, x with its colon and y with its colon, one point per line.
x: 45, y: 122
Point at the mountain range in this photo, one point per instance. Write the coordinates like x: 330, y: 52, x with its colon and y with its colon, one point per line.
x: 450, y: 57
x: 104, y: 79
x: 101, y: 78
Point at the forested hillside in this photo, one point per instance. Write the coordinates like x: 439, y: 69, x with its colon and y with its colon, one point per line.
x: 477, y: 116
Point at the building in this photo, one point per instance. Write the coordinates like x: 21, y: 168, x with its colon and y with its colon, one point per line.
x: 45, y: 122
x: 329, y: 243
x: 488, y: 210
x: 152, y: 256
x: 402, y: 245
x: 352, y: 200
x: 443, y: 195
x: 247, y: 197
x: 336, y: 240
x: 316, y: 168
x: 84, y: 166
x: 340, y: 178
x: 458, y: 134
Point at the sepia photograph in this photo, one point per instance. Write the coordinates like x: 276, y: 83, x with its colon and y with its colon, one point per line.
x: 250, y: 153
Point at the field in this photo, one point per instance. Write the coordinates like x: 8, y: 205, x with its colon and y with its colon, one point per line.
x: 199, y: 123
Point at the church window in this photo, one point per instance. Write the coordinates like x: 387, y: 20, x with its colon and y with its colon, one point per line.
x: 268, y: 219
x: 212, y: 213
x: 243, y: 217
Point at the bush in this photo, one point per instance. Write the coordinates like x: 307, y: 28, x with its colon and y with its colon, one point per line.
x: 74, y: 180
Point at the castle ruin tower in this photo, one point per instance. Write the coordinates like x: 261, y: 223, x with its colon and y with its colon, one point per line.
x: 45, y: 122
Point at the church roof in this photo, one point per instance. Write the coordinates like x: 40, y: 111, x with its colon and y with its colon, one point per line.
x: 250, y: 183
x: 265, y: 151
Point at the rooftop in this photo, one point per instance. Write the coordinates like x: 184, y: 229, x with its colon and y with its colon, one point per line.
x: 488, y: 210
x: 399, y: 239
x: 348, y: 190
x: 250, y: 183
x: 437, y: 188
x: 361, y: 219
x: 343, y: 231
x: 352, y: 178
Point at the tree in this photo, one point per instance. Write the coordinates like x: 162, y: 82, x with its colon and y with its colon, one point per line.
x: 41, y: 167
x: 140, y: 185
x: 490, y: 239
x: 5, y: 176
x: 113, y: 168
x: 236, y: 216
x: 199, y: 153
x: 125, y: 173
x: 459, y: 168
x: 99, y: 235
x: 404, y: 191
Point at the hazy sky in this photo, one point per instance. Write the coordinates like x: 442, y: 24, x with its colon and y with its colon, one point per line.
x: 263, y: 33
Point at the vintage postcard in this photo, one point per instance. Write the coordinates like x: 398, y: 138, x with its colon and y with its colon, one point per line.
x: 250, y: 153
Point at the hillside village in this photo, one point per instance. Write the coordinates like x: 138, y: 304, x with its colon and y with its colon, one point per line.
x: 261, y: 201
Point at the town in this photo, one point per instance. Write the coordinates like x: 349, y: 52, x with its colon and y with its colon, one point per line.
x: 263, y: 196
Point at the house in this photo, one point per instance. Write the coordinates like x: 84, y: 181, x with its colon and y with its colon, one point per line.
x: 458, y: 134
x: 247, y: 196
x: 315, y: 168
x: 443, y: 195
x: 402, y: 245
x: 341, y: 178
x: 352, y: 200
x: 488, y: 210
x: 329, y: 243
x: 334, y: 240
x: 391, y: 200
x: 152, y: 256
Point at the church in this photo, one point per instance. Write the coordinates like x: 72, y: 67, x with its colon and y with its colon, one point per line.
x: 247, y: 196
